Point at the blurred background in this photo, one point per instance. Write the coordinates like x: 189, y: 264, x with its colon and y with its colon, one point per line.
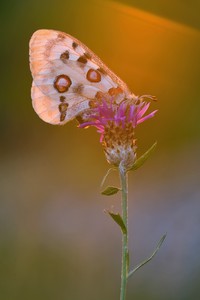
x: 55, y: 240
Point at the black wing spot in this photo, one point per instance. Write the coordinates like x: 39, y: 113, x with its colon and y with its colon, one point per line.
x: 102, y: 71
x: 74, y: 45
x: 82, y: 59
x: 80, y: 119
x: 62, y: 116
x: 78, y: 88
x: 62, y: 98
x: 64, y: 56
x: 87, y: 55
x: 63, y: 107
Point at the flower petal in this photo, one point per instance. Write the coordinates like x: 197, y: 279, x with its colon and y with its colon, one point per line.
x: 151, y: 115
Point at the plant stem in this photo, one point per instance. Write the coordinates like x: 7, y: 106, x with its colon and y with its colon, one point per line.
x: 124, y: 267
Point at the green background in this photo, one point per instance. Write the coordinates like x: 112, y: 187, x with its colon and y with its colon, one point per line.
x: 55, y: 240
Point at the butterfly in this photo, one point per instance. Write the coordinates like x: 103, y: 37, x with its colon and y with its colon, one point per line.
x: 69, y: 80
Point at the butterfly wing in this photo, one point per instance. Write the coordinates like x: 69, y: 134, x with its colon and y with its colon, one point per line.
x: 68, y: 77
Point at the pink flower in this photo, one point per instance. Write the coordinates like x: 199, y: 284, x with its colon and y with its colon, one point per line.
x: 116, y: 124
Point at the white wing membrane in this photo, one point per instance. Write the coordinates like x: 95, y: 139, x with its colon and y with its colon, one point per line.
x: 54, y: 54
x: 48, y: 110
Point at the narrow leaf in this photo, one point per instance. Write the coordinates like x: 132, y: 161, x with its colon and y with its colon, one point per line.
x: 150, y: 258
x: 141, y: 160
x: 110, y: 190
x: 118, y: 219
x: 107, y: 173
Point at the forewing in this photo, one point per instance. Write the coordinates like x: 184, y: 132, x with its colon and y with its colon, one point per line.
x: 67, y: 77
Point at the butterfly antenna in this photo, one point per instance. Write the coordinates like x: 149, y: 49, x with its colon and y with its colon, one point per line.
x: 148, y: 97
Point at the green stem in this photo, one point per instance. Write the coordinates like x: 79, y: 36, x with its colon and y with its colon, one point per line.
x: 124, y: 267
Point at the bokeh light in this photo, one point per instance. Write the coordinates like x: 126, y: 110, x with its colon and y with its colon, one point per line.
x: 55, y: 240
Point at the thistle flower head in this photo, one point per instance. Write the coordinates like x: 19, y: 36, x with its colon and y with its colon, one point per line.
x: 116, y: 125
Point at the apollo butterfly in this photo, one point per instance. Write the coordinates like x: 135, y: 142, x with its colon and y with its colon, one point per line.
x: 69, y: 80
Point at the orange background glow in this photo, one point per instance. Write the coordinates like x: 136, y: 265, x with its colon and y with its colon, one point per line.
x: 55, y: 240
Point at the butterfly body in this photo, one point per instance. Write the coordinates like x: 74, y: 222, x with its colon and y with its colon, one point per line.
x: 69, y: 79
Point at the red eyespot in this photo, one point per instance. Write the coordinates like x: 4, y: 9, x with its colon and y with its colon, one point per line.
x: 62, y: 83
x: 93, y: 76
